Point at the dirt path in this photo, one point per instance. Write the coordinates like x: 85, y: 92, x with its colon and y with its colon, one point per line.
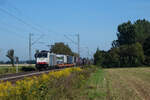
x: 128, y: 84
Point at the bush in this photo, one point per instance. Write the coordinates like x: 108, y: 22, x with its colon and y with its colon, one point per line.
x: 123, y: 56
x: 147, y: 60
x: 146, y: 48
x: 59, y: 85
x: 131, y: 55
x: 25, y: 68
x: 99, y: 57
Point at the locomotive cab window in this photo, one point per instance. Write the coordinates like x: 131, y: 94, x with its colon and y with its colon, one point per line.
x: 42, y: 55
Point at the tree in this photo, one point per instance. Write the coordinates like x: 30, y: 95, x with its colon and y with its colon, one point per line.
x: 115, y: 44
x: 61, y: 48
x: 122, y: 56
x: 142, y: 29
x: 99, y: 57
x: 131, y: 55
x: 146, y: 48
x: 36, y: 53
x: 10, y: 55
x: 75, y: 54
x: 112, y: 59
x: 17, y: 60
x: 129, y: 33
x: 126, y: 34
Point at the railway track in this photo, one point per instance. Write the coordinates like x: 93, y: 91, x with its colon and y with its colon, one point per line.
x: 18, y: 76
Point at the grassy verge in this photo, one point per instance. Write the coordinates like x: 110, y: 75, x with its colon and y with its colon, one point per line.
x: 95, y: 86
x: 10, y: 69
x: 68, y: 84
x: 59, y: 85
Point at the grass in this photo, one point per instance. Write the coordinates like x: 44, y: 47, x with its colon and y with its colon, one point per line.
x: 10, y: 69
x: 95, y: 86
x: 7, y: 70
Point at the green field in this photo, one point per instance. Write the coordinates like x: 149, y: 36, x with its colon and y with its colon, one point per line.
x: 10, y: 69
x: 118, y: 84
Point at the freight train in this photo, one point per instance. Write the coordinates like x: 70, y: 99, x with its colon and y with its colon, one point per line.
x: 47, y: 60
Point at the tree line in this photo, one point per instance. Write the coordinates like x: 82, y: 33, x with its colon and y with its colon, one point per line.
x: 130, y: 49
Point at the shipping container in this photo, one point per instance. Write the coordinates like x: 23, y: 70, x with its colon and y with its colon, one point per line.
x: 61, y: 59
x: 69, y: 59
x: 52, y: 59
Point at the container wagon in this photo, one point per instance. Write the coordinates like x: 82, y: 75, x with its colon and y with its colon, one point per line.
x: 64, y: 61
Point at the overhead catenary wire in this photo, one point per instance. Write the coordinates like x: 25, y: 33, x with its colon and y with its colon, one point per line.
x: 70, y: 39
x: 20, y: 20
x: 14, y: 33
x: 28, y: 24
x: 35, y: 27
x: 13, y: 30
x: 14, y: 27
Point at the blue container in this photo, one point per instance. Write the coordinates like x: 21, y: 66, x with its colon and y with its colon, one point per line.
x: 69, y: 59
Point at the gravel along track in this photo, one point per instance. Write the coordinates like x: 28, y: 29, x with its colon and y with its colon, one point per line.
x: 18, y: 76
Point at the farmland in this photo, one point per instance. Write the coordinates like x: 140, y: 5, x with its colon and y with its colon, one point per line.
x: 119, y: 84
x: 128, y: 83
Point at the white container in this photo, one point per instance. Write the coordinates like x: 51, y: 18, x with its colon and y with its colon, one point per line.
x: 61, y: 59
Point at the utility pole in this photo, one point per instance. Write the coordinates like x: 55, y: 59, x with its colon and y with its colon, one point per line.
x: 31, y: 44
x: 76, y: 43
x: 17, y: 62
x: 78, y: 36
x: 30, y: 47
x: 50, y: 47
x: 88, y: 52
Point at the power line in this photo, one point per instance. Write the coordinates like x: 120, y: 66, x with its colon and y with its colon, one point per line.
x: 78, y: 43
x: 40, y: 37
x: 3, y: 23
x: 37, y: 29
x: 25, y: 23
x: 12, y: 28
x: 14, y: 7
x: 28, y: 24
x: 33, y: 26
x: 14, y: 33
x: 20, y: 20
x: 70, y: 39
x: 31, y: 44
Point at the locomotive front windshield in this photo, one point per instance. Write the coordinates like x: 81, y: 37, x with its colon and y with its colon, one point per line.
x: 42, y: 55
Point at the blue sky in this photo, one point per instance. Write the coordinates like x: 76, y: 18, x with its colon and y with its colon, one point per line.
x: 95, y: 20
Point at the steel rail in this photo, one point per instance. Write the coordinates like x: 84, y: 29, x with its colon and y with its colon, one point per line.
x: 25, y: 75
